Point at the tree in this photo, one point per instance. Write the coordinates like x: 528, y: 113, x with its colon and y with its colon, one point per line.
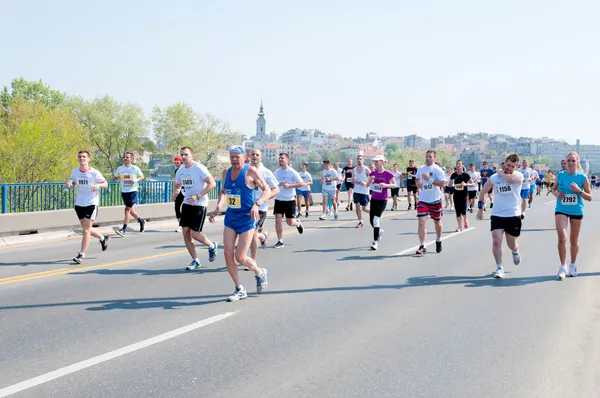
x: 29, y: 91
x: 174, y: 126
x: 390, y: 149
x: 212, y: 134
x: 39, y: 144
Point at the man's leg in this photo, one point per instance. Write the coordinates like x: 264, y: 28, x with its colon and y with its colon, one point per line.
x: 422, y: 230
x: 438, y: 228
x: 200, y: 237
x: 127, y: 215
x: 279, y: 226
x: 298, y: 204
x: 134, y: 213
x: 512, y: 243
x: 244, y: 242
x: 86, y: 226
x: 189, y: 243
x: 497, y: 246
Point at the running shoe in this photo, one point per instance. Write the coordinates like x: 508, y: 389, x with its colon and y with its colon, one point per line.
x: 179, y: 229
x: 238, y: 294
x: 459, y: 229
x: 265, y: 242
x: 438, y: 246
x: 212, y: 252
x: 142, y: 225
x: 278, y: 245
x: 120, y: 232
x: 351, y: 206
x: 374, y: 245
x: 409, y: 207
x: 466, y: 225
x: 516, y: 258
x: 307, y: 213
x: 104, y: 243
x: 323, y: 217
x: 360, y: 224
x: 298, y: 215
x: 522, y: 216
x: 491, y: 204
x: 348, y: 208
x: 573, y: 270
x: 335, y: 215
x: 261, y: 282
x: 300, y: 228
x: 79, y: 258
x: 562, y: 273
x: 499, y: 273
x: 421, y: 250
x: 193, y: 266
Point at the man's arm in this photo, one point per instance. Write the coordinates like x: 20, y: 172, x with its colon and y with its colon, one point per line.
x: 511, y: 178
x: 220, y: 201
x: 260, y: 183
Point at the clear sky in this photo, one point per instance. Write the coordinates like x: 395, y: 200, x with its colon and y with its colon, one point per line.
x: 395, y: 67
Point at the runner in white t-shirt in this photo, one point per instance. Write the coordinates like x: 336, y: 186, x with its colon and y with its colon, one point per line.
x: 395, y: 192
x: 285, y: 201
x: 198, y: 182
x: 129, y: 175
x: 430, y: 178
x: 304, y: 191
x: 506, y: 213
x: 261, y: 235
x: 329, y: 183
x: 532, y: 184
x: 361, y: 190
x: 524, y: 186
x: 87, y: 181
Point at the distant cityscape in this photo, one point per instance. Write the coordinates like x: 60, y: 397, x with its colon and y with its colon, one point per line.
x: 308, y: 145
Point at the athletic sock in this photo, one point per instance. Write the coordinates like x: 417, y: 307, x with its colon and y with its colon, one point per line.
x: 82, y: 254
x: 438, y: 239
x: 101, y: 238
x: 422, y: 243
x: 124, y: 227
x: 498, y: 266
x: 197, y: 260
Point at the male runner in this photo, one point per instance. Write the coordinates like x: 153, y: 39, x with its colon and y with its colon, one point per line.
x: 198, y: 182
x: 239, y: 183
x: 430, y: 178
x: 399, y: 184
x: 361, y: 190
x: 261, y: 235
x: 506, y: 183
x: 412, y: 192
x: 380, y: 180
x: 285, y: 201
x: 460, y: 182
x: 548, y: 178
x: 87, y: 182
x: 525, y: 186
x: 486, y: 172
x: 303, y: 191
x: 472, y: 188
x: 329, y: 182
x: 533, y: 179
x: 129, y: 175
x: 338, y: 186
x: 347, y: 173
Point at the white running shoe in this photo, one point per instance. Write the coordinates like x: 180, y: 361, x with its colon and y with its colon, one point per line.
x: 238, y: 294
x: 179, y: 229
x: 562, y: 273
x: 573, y: 270
x: 499, y: 273
x: 516, y: 258
x: 323, y: 217
x: 194, y: 265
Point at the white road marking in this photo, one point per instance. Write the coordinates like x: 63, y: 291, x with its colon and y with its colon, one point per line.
x: 452, y: 235
x: 24, y: 385
x: 552, y: 201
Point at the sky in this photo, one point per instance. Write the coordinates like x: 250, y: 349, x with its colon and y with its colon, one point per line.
x: 427, y: 67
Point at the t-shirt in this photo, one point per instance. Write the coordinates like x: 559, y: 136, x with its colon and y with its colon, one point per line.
x: 534, y: 176
x: 361, y: 177
x: 410, y: 180
x: 271, y: 181
x: 339, y: 171
x: 526, y: 175
x: 306, y: 177
x: 549, y: 176
x: 83, y: 181
x: 572, y: 203
x: 398, y: 177
x: 507, y: 197
x: 287, y: 176
x: 331, y: 185
x: 192, y: 178
x: 458, y: 179
x: 474, y: 176
x: 348, y: 174
x: 128, y: 174
x: 485, y: 174
x: 385, y: 177
x: 429, y: 192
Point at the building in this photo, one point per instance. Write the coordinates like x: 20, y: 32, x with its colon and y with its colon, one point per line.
x: 261, y: 124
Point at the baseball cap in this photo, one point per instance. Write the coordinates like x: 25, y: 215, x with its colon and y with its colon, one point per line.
x: 177, y: 159
x: 378, y: 157
x: 237, y: 149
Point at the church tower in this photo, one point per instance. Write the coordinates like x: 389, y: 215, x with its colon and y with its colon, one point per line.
x: 261, y: 124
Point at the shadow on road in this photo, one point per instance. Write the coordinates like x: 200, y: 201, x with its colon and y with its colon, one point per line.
x: 538, y: 230
x: 29, y: 263
x: 148, y: 272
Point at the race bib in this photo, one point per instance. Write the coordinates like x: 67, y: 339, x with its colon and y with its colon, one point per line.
x: 376, y: 188
x: 459, y: 187
x: 234, y: 201
x: 349, y: 179
x: 127, y: 180
x: 409, y: 177
x: 504, y: 189
x: 187, y: 181
x: 570, y: 199
x: 327, y: 182
x: 427, y: 187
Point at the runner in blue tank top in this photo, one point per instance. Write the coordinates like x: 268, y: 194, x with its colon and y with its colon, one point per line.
x: 241, y: 216
x: 571, y: 188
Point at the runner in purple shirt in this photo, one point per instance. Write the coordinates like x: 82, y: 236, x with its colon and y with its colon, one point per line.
x: 379, y: 181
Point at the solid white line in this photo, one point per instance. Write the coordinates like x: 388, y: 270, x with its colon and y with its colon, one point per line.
x: 552, y: 201
x: 452, y: 235
x: 24, y: 385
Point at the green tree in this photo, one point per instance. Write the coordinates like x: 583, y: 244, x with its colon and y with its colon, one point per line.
x: 29, y: 91
x: 174, y: 126
x: 390, y: 149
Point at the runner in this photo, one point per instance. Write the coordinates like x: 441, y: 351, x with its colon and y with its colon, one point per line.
x: 361, y: 190
x: 267, y: 175
x: 486, y: 173
x: 460, y: 181
x: 348, y: 170
x: 524, y: 169
x: 303, y: 191
x: 534, y: 177
x: 87, y: 181
x: 380, y: 180
x: 538, y: 184
x: 285, y: 201
x: 338, y: 185
x: 240, y: 182
x: 129, y: 175
x: 179, y: 198
x: 399, y: 184
x: 593, y: 181
x: 412, y: 192
x: 197, y: 182
x: 329, y: 191
x: 506, y: 183
x: 429, y: 178
x: 571, y: 188
x: 448, y: 189
x: 549, y: 177
x: 472, y: 188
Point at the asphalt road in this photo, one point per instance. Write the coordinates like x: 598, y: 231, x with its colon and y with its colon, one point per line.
x: 337, y: 320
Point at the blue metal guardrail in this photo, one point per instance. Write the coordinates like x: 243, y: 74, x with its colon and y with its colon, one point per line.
x: 19, y: 198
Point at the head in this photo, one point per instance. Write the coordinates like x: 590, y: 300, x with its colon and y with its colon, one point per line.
x: 573, y: 162
x: 379, y: 161
x: 459, y: 162
x: 349, y: 163
x: 127, y: 158
x: 395, y: 166
x: 525, y: 164
x: 460, y: 168
x: 187, y: 156
x: 336, y: 165
x: 255, y: 157
x: 449, y: 170
x: 472, y: 167
x: 237, y: 156
x: 360, y: 160
x: 430, y: 157
x: 304, y: 167
x: 284, y: 160
x: 326, y: 165
x: 371, y: 166
x: 563, y: 164
x: 411, y: 163
x: 84, y: 159
x: 248, y: 155
x: 484, y: 165
x: 177, y: 161
x: 511, y: 163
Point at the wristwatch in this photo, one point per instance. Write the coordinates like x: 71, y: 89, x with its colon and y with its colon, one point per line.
x: 258, y: 203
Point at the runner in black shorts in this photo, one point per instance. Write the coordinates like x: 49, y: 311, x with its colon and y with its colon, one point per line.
x: 348, y: 172
x: 411, y: 184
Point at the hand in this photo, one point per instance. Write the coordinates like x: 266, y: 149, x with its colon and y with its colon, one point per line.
x: 175, y: 194
x: 560, y: 196
x: 364, y: 184
x: 419, y: 184
x: 463, y: 184
x: 479, y: 215
x: 575, y: 188
x: 254, y: 213
x: 285, y: 185
x: 94, y: 188
x: 425, y: 176
x: 192, y: 200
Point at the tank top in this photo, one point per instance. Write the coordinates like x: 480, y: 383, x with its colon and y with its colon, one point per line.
x: 239, y: 195
x: 572, y: 203
x: 361, y: 177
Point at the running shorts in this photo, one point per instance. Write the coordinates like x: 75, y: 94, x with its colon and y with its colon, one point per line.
x: 129, y: 198
x: 432, y: 209
x: 285, y: 207
x: 89, y: 212
x: 524, y: 193
x: 510, y: 225
x: 192, y: 217
x: 239, y: 221
x: 361, y: 198
x: 305, y: 194
x: 395, y: 192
